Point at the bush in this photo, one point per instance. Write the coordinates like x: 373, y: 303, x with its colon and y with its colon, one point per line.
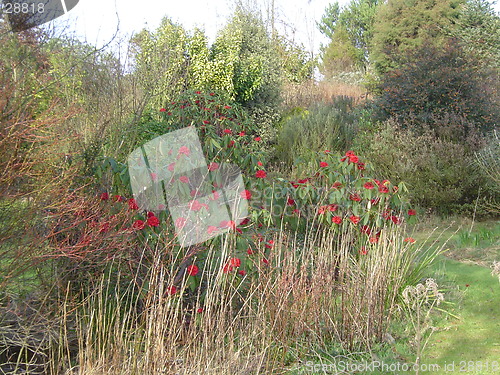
x: 439, y: 172
x: 433, y: 83
x: 326, y: 126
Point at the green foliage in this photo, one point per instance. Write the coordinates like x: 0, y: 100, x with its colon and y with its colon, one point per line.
x: 339, y: 56
x: 403, y: 25
x: 160, y: 61
x: 478, y: 30
x: 438, y: 172
x: 322, y: 127
x: 431, y: 84
x: 350, y: 30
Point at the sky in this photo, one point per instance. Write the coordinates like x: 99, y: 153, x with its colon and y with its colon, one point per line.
x: 97, y: 21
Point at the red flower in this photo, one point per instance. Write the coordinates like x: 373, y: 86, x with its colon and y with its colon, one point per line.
x: 337, y: 185
x: 132, y: 204
x: 383, y: 189
x: 250, y: 251
x: 330, y: 207
x: 257, y: 139
x: 212, y: 229
x: 150, y: 214
x: 241, y: 134
x: 354, y: 219
x: 353, y: 159
x: 171, y: 290
x: 245, y: 221
x: 227, y: 131
x: 192, y: 270
x: 138, y: 225
x: 337, y: 219
x: 119, y: 198
x: 246, y: 194
x: 373, y: 239
x: 231, y: 144
x: 153, y: 221
x: 213, y: 167
x: 200, y: 310
x: 171, y: 167
x: 290, y: 202
x: 361, y: 166
x: 184, y: 179
x: 212, y: 94
x: 412, y: 212
x: 410, y: 240
x: 355, y: 197
x: 395, y: 219
x: 296, y: 212
x: 323, y: 164
x: 350, y: 153
x: 259, y: 163
x: 265, y: 261
x: 365, y: 229
x: 105, y: 227
x: 163, y: 110
x: 227, y: 107
x: 104, y: 196
x: 215, y: 196
x: 368, y: 186
x: 234, y: 262
x: 227, y: 268
x: 363, y: 250
x: 197, y: 92
x: 180, y: 222
x: 206, y: 122
x: 195, y: 205
x: 261, y: 174
x: 242, y: 272
x: 269, y: 244
x: 184, y: 150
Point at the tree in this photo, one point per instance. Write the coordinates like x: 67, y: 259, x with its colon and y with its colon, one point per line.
x: 439, y: 87
x: 350, y: 30
x: 403, y: 25
x: 478, y: 30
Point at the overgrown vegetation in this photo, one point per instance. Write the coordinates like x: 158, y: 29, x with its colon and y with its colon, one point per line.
x: 336, y: 173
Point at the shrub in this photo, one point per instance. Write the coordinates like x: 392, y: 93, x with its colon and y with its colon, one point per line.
x: 326, y: 126
x: 438, y: 171
x: 433, y: 83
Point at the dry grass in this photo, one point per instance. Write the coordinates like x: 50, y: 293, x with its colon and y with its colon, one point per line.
x: 314, y: 293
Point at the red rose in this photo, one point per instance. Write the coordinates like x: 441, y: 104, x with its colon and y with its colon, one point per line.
x: 153, y: 221
x: 261, y: 174
x: 192, y: 270
x: 132, y: 204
